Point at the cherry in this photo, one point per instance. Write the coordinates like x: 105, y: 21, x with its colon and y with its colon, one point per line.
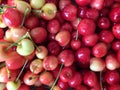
x: 92, y: 13
x: 82, y: 12
x: 83, y: 56
x: 86, y: 27
x: 106, y: 36
x: 30, y: 78
x: 112, y: 77
x: 62, y: 85
x: 66, y: 74
x: 12, y: 17
x: 83, y: 2
x: 53, y: 26
x: 36, y: 66
x: 50, y: 62
x: 75, y: 80
x: 63, y: 37
x: 115, y: 31
x: 97, y: 4
x: 64, y: 3
x: 90, y: 78
x: 116, y: 45
x: 54, y: 48
x: 114, y: 14
x: 112, y: 62
x: 38, y: 34
x: 90, y: 40
x: 46, y: 78
x: 69, y: 12
x: 31, y: 22
x: 103, y: 23
x: 66, y: 57
x: 100, y: 49
x: 75, y: 44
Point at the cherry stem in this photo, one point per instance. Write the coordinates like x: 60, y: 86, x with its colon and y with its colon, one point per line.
x: 76, y: 35
x: 8, y: 72
x: 5, y: 43
x: 15, y: 43
x: 25, y: 14
x: 101, y: 80
x: 28, y: 34
x: 7, y: 6
x: 21, y: 71
x: 57, y: 76
x: 37, y: 11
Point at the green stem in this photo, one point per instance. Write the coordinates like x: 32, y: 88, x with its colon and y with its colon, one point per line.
x: 57, y: 77
x: 25, y: 14
x: 15, y: 43
x: 21, y: 71
x: 8, y: 72
x: 5, y: 43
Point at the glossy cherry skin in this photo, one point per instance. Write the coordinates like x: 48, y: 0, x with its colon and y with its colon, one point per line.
x: 116, y: 30
x: 83, y: 2
x: 104, y: 23
x: 86, y: 27
x: 76, y: 80
x: 115, y: 14
x: 82, y: 55
x: 69, y: 12
x: 54, y: 48
x: 82, y: 12
x: 92, y: 14
x: 12, y: 17
x: 100, y: 49
x: 66, y: 74
x: 90, y: 40
x: 112, y: 77
x: 90, y: 78
x: 66, y: 57
x: 38, y: 34
x: 106, y: 36
x: 116, y: 45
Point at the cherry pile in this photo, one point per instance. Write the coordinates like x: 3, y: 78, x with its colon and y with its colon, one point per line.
x: 60, y: 44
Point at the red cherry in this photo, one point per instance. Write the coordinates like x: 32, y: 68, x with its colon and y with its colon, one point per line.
x: 12, y: 17
x: 90, y: 78
x: 106, y: 36
x: 66, y: 57
x: 76, y: 80
x: 83, y: 56
x: 115, y: 14
x: 38, y: 34
x: 31, y: 22
x: 83, y: 2
x: 116, y: 30
x: 86, y: 27
x: 112, y: 77
x: 100, y: 49
x: 103, y: 23
x: 66, y: 74
x: 69, y: 13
